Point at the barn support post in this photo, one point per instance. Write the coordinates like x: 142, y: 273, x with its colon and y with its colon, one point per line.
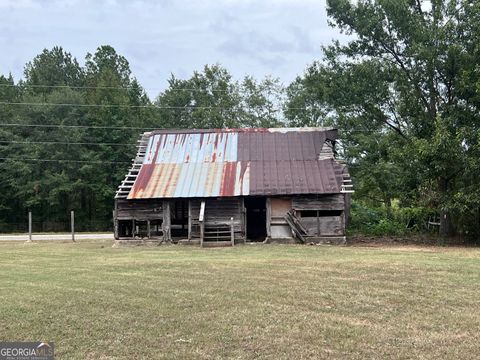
x: 348, y: 203
x: 148, y: 229
x: 243, y: 218
x: 133, y: 229
x: 201, y: 221
x: 232, y: 232
x: 29, y: 226
x: 189, y: 220
x: 72, y: 224
x: 115, y: 225
x: 167, y: 234
x: 115, y: 221
x: 269, y: 217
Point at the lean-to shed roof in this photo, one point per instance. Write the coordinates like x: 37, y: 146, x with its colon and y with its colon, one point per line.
x: 236, y: 162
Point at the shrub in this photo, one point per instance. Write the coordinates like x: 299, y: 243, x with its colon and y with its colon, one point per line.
x: 379, y: 221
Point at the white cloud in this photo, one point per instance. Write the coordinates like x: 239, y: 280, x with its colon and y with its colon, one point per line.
x: 268, y: 37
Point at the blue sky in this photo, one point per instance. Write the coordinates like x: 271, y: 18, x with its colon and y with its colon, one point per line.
x: 263, y: 37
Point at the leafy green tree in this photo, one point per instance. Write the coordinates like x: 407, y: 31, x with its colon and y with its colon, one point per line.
x: 118, y: 101
x: 52, y: 68
x: 208, y: 99
x: 400, y: 91
x: 261, y: 102
x: 213, y: 99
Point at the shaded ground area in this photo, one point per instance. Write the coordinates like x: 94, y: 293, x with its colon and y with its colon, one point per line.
x: 268, y: 302
x: 420, y: 240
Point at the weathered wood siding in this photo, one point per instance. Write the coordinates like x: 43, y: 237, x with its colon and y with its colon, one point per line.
x: 278, y: 227
x: 319, y: 202
x: 139, y: 209
x: 218, y: 212
x: 324, y: 225
x: 326, y: 214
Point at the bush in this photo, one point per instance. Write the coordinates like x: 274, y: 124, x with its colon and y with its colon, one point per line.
x: 378, y: 221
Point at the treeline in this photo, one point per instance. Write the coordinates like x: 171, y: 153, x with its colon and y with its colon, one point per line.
x: 69, y: 132
x: 404, y: 93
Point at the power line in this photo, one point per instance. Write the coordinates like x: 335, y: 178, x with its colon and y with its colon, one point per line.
x: 81, y: 105
x: 64, y: 143
x: 106, y: 87
x: 78, y: 126
x: 121, y: 127
x: 66, y: 160
x: 185, y: 107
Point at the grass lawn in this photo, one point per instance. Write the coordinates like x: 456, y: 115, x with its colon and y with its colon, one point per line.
x: 272, y: 302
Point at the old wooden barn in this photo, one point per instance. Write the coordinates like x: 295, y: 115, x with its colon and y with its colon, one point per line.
x: 218, y: 187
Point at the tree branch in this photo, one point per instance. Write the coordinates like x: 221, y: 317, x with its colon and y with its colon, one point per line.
x: 399, y: 62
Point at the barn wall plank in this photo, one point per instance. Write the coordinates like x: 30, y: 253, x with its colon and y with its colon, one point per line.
x: 218, y: 212
x: 139, y: 209
x: 319, y: 202
x: 328, y: 225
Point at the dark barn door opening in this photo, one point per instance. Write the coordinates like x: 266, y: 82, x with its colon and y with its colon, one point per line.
x: 256, y: 218
x: 179, y: 218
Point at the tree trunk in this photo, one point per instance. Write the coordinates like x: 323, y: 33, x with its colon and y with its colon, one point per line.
x: 444, y: 223
x: 444, y: 215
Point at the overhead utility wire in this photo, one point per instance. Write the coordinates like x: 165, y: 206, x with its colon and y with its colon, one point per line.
x: 117, y: 127
x: 64, y: 143
x: 79, y: 126
x: 107, y: 87
x: 86, y: 105
x: 66, y: 160
x: 186, y: 107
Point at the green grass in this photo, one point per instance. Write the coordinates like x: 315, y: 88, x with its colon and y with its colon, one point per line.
x: 273, y: 302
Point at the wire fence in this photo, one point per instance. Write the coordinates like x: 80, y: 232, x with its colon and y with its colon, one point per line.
x: 60, y: 226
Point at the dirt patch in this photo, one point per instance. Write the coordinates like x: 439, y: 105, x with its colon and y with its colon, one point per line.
x: 419, y: 240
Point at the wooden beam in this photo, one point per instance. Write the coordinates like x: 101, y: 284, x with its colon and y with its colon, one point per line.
x: 202, y: 223
x: 189, y: 220
x: 167, y: 234
x: 115, y: 223
x: 243, y: 219
x: 269, y: 217
x: 202, y: 211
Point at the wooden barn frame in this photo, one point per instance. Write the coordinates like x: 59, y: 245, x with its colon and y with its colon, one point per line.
x: 222, y: 187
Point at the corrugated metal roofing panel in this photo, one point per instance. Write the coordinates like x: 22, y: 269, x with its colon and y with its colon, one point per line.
x: 192, y: 180
x: 215, y: 163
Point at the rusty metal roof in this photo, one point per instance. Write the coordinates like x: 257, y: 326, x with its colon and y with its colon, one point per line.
x: 236, y: 162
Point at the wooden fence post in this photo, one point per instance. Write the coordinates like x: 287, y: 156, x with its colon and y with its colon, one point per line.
x: 29, y: 226
x: 72, y: 223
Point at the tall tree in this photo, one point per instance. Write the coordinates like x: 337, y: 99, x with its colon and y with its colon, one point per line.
x: 52, y: 69
x: 213, y: 99
x: 400, y: 90
x: 118, y: 101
